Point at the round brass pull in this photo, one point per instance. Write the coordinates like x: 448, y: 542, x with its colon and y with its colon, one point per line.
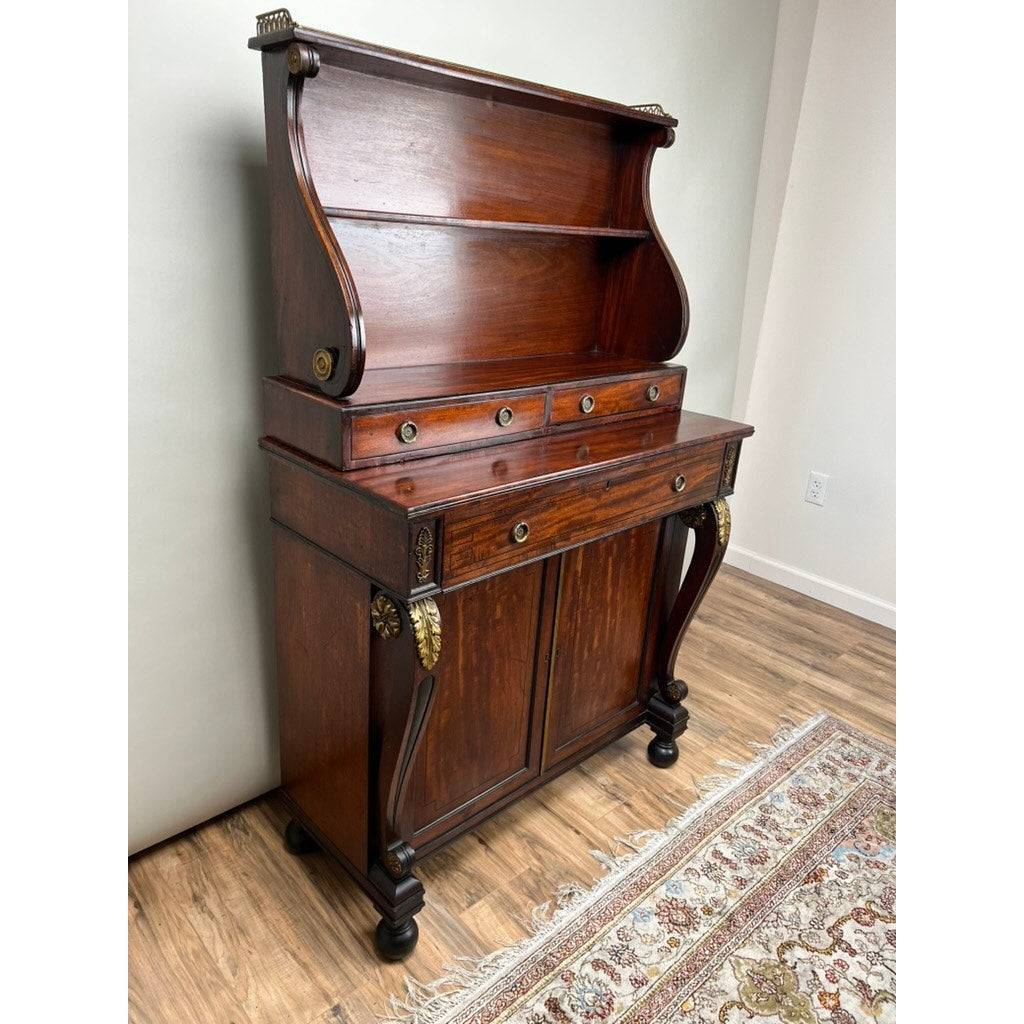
x: 520, y: 532
x: 505, y: 416
x: 587, y: 403
x: 408, y: 432
x: 653, y: 392
x: 323, y: 364
x: 679, y: 483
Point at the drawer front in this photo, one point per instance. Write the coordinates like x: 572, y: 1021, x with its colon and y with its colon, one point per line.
x: 641, y: 394
x: 411, y: 430
x: 497, y: 534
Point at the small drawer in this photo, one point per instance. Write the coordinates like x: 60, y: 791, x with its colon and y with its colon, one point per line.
x: 639, y: 394
x: 421, y: 428
x: 495, y: 535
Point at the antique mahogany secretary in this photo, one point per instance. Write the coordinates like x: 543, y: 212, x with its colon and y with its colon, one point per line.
x: 482, y: 477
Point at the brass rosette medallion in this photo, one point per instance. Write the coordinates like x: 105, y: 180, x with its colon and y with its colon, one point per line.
x: 385, y: 618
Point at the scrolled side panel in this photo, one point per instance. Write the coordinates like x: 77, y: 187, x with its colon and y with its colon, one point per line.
x: 319, y: 321
x: 646, y: 311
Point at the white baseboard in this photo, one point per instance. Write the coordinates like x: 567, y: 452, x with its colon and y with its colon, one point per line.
x: 835, y: 594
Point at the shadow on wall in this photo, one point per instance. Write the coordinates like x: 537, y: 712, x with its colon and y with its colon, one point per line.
x: 254, y: 217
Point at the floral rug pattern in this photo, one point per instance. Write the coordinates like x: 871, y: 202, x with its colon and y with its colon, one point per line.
x: 774, y: 899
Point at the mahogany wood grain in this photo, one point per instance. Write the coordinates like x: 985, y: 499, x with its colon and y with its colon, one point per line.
x: 646, y: 308
x: 493, y: 628
x: 429, y: 256
x: 476, y: 377
x: 479, y: 538
x: 314, y: 296
x: 343, y: 521
x: 348, y: 434
x: 449, y: 155
x: 447, y: 425
x: 425, y: 485
x: 617, y: 397
x: 519, y: 226
x: 437, y: 295
x: 323, y: 692
x: 222, y: 926
x: 447, y: 243
x: 602, y: 631
x: 371, y: 59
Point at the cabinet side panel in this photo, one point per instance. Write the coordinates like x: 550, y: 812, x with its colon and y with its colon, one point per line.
x: 322, y: 672
x: 601, y: 635
x: 478, y: 740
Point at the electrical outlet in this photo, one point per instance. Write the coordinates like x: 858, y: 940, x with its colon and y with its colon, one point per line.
x: 817, y: 485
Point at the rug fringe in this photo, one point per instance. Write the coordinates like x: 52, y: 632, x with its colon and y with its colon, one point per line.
x: 433, y: 1002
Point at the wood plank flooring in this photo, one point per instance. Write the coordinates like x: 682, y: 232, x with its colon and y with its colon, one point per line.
x: 225, y: 927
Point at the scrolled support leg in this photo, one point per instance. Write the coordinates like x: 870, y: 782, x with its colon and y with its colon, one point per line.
x: 403, y: 654
x: 666, y: 716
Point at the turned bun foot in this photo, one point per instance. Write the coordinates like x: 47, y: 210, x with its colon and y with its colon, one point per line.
x: 662, y: 753
x: 297, y: 839
x: 396, y: 943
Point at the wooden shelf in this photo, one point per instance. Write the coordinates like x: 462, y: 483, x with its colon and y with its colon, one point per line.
x: 473, y: 378
x: 586, y: 231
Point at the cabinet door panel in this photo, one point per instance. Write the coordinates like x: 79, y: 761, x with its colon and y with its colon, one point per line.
x: 600, y: 640
x: 480, y: 739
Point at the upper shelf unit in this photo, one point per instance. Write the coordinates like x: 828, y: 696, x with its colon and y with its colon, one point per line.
x: 425, y: 213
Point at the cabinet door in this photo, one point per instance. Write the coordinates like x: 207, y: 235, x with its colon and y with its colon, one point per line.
x: 600, y: 639
x: 482, y: 737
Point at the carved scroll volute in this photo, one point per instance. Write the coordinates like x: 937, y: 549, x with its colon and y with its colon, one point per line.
x: 319, y: 320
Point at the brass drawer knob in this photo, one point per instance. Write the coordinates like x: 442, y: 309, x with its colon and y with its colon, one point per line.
x: 679, y: 483
x: 520, y: 532
x: 587, y: 403
x: 408, y: 432
x: 653, y: 392
x: 505, y: 416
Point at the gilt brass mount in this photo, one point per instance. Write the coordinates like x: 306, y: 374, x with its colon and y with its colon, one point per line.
x: 303, y: 59
x: 384, y: 616
x: 587, y: 403
x: 323, y: 364
x: 505, y: 416
x: 679, y: 483
x: 408, y: 432
x: 520, y: 532
x: 653, y: 393
x: 426, y: 627
x: 424, y: 552
x: 724, y: 519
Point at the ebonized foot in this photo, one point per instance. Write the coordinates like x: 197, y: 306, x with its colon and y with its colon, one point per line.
x: 667, y: 719
x: 663, y: 751
x: 297, y: 839
x: 396, y: 943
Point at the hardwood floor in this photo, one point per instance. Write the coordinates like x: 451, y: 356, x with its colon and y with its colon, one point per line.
x: 225, y: 926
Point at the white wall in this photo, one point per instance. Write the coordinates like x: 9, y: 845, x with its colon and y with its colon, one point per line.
x: 201, y: 711
x: 823, y: 389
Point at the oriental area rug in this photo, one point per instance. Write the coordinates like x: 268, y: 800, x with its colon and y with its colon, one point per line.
x: 773, y: 898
